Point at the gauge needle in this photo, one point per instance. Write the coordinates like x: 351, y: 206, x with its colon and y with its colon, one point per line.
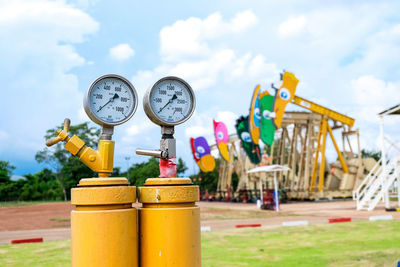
x: 169, y: 102
x: 123, y: 114
x: 109, y: 101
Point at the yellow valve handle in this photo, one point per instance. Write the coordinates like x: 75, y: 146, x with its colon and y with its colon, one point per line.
x: 62, y: 134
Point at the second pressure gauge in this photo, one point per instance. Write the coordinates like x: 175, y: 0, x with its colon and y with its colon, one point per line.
x: 170, y: 101
x: 111, y: 100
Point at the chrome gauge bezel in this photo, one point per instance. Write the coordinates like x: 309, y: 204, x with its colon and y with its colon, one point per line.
x: 92, y: 115
x: 152, y: 115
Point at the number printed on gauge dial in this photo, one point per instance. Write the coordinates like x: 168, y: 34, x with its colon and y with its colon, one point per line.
x: 111, y: 100
x: 171, y: 101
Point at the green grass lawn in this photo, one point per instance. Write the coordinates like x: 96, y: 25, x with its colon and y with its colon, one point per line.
x: 342, y: 244
x: 46, y: 254
x: 214, y: 213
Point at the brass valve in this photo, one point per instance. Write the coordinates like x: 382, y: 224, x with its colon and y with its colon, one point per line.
x: 62, y: 135
x: 100, y: 161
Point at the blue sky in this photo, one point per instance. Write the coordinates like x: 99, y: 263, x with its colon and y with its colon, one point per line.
x: 346, y: 55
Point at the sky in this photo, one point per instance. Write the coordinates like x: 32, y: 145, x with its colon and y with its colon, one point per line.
x: 346, y: 55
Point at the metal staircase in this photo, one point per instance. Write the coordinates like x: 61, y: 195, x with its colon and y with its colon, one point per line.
x: 376, y: 184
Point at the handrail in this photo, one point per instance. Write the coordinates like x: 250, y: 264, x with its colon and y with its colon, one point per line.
x: 356, y: 193
x: 385, y: 180
x: 376, y: 187
x: 367, y: 179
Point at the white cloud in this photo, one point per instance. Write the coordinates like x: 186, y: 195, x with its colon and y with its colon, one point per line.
x: 293, y: 26
x: 381, y: 52
x: 82, y: 116
x: 259, y: 67
x: 204, y: 73
x: 337, y: 34
x: 222, y: 65
x: 372, y: 96
x: 37, y: 52
x: 196, y: 131
x: 144, y: 79
x: 84, y: 4
x: 58, y: 21
x: 139, y: 128
x: 198, y: 51
x: 188, y: 38
x: 369, y: 90
x: 121, y: 52
x: 201, y: 124
x: 139, y: 132
x: 192, y: 49
x: 229, y: 118
x: 182, y: 39
x: 243, y: 21
x: 215, y: 152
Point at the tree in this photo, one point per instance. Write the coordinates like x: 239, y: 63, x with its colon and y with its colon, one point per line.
x: 67, y: 168
x: 371, y: 154
x: 139, y: 172
x: 5, y: 171
x: 39, y: 186
x: 8, y: 189
x: 209, y: 180
x: 48, y: 185
x: 181, y: 167
x: 72, y: 171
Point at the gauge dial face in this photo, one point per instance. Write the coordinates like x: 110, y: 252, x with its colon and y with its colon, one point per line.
x: 111, y: 100
x: 171, y: 101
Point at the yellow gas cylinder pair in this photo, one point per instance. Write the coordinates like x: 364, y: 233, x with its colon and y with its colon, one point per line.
x: 104, y: 225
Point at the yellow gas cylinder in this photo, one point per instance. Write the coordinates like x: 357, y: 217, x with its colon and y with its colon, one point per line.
x: 104, y: 223
x: 169, y: 223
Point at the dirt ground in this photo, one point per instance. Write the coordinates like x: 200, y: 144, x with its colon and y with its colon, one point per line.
x: 52, y: 220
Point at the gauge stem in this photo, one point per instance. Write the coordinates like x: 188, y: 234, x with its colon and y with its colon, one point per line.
x: 106, y: 132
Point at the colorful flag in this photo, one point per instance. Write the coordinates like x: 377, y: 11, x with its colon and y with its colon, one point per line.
x: 222, y: 138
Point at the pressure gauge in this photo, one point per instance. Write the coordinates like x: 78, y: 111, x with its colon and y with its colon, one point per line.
x: 170, y: 101
x: 110, y: 100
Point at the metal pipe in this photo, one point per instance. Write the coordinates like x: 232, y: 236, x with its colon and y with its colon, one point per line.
x: 261, y: 191
x: 276, y: 192
x: 384, y: 163
x: 152, y: 153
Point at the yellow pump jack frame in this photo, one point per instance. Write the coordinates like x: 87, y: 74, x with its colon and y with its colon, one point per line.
x: 323, y: 129
x: 322, y: 134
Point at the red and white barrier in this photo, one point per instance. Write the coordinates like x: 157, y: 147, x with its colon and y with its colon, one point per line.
x: 339, y: 220
x: 381, y: 218
x: 30, y: 240
x: 205, y: 228
x: 295, y: 223
x: 248, y: 225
